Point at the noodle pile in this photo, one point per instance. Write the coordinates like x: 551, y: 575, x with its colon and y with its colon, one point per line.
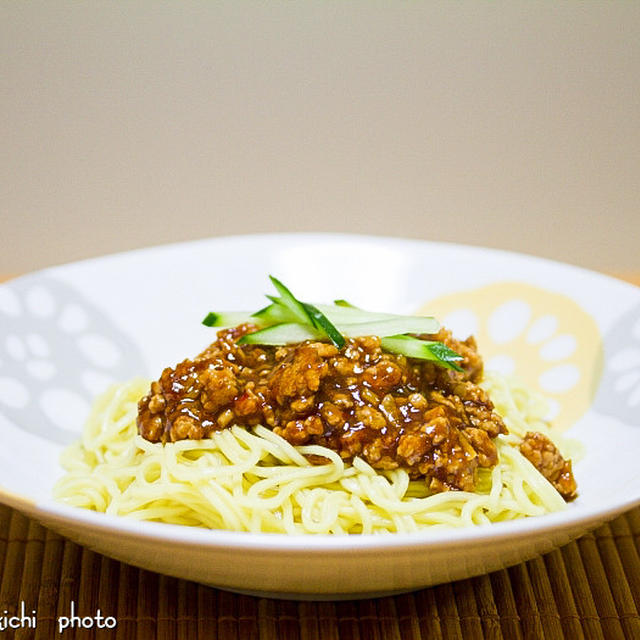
x: 253, y: 480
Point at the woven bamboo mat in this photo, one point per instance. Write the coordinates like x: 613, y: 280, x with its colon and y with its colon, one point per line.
x: 588, y: 589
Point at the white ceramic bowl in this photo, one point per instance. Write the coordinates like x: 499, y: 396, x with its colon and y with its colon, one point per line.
x: 68, y: 331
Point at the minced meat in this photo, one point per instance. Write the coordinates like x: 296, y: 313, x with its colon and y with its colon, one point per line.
x: 390, y: 410
x: 546, y: 458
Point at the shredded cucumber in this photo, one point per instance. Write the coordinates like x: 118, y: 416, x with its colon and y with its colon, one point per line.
x: 291, y: 303
x: 390, y: 327
x: 422, y: 350
x: 289, y: 332
x: 288, y: 320
x: 226, y: 318
x: 285, y: 333
x: 340, y: 315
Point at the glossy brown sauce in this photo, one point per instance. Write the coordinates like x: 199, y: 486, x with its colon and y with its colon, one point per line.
x: 358, y: 401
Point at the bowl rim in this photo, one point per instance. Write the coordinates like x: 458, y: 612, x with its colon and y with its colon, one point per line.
x: 313, y: 236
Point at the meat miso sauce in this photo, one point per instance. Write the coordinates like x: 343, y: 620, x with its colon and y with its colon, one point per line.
x: 359, y: 400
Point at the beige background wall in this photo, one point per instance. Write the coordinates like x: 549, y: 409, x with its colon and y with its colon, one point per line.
x: 512, y: 125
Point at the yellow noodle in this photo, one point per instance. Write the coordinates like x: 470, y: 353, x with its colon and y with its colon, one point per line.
x: 254, y: 480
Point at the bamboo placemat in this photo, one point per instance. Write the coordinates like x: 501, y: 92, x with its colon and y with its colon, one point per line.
x: 589, y: 588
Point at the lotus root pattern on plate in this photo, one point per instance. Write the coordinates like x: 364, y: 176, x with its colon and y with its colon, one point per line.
x: 541, y: 337
x: 621, y: 380
x: 57, y: 351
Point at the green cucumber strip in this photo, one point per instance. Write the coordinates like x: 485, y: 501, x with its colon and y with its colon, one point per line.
x: 307, y: 313
x: 321, y: 322
x: 210, y: 319
x: 291, y: 332
x: 274, y: 314
x: 260, y: 312
x: 422, y: 350
x: 343, y: 303
x: 342, y: 314
x: 354, y: 315
x: 346, y: 315
x: 288, y: 320
x: 443, y: 352
x: 288, y: 300
x: 285, y: 333
x: 389, y: 327
x: 227, y: 318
